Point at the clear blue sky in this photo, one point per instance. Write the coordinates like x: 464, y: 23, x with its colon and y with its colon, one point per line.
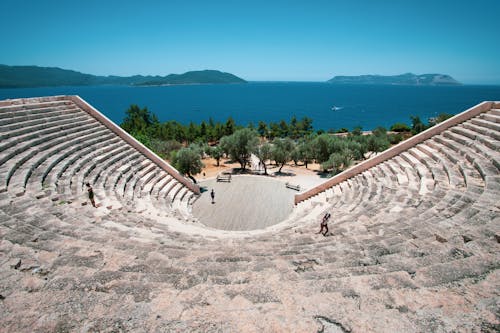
x: 302, y: 40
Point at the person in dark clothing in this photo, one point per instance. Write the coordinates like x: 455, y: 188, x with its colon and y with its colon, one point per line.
x: 91, y: 194
x: 324, y: 224
x: 212, y: 195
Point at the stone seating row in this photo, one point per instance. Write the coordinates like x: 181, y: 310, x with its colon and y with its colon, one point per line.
x: 29, y: 118
x: 54, y: 147
x: 32, y: 108
x: 375, y: 259
x: 342, y: 265
x: 430, y: 172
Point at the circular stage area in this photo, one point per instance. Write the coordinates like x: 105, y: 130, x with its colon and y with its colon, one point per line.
x: 245, y: 203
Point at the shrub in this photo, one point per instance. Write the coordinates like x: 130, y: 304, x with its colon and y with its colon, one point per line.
x: 400, y: 127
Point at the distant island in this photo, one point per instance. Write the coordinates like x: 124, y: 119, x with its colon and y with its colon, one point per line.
x: 34, y: 76
x: 403, y: 79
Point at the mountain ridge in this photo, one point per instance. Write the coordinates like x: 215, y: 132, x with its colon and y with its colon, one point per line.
x: 402, y: 79
x: 35, y: 76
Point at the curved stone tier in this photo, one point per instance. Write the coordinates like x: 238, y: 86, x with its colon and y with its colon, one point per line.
x: 413, y: 244
x: 53, y: 146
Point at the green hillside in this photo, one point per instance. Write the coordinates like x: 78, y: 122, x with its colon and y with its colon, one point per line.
x: 34, y: 76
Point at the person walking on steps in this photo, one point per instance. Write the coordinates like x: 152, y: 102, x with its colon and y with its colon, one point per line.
x: 212, y: 195
x: 324, y: 224
x: 91, y: 194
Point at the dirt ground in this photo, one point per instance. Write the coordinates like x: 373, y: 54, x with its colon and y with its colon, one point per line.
x: 211, y: 169
x: 297, y: 175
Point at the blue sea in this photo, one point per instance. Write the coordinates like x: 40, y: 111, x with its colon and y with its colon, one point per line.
x: 330, y: 106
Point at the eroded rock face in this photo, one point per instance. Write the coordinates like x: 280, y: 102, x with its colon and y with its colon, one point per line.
x: 431, y: 265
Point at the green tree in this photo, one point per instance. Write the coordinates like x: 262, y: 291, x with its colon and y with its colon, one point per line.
x: 203, y: 135
x: 240, y: 145
x: 188, y: 162
x: 216, y: 153
x: 192, y: 132
x: 283, y: 131
x: 164, y: 147
x: 305, y: 126
x: 337, y: 161
x: 138, y: 120
x: 322, y: 148
x: 358, y: 130
x: 417, y: 125
x: 378, y: 143
x: 281, y: 151
x: 400, y: 127
x: 379, y: 131
x: 211, y: 130
x: 263, y: 153
x: 262, y: 129
x: 293, y: 128
x: 274, y: 130
x: 306, y: 150
x: 219, y: 131
x: 230, y: 126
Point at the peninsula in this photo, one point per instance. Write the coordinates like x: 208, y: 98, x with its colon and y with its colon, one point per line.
x: 403, y: 79
x: 34, y: 76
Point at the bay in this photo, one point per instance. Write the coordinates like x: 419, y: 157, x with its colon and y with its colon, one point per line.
x: 330, y: 106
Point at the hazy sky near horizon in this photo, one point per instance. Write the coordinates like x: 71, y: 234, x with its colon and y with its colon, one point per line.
x: 256, y: 40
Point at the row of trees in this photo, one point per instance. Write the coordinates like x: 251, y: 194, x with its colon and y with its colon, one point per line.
x: 280, y: 142
x: 334, y: 153
x: 143, y: 124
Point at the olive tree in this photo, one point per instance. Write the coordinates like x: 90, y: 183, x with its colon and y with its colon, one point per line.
x: 240, y: 145
x: 263, y: 153
x: 282, y: 151
x: 188, y: 162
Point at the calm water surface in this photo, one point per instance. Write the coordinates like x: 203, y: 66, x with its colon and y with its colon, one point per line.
x: 330, y: 106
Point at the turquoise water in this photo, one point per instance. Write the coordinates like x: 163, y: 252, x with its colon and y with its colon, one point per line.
x: 330, y: 106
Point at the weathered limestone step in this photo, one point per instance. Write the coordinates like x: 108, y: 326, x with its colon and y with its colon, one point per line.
x: 84, y: 159
x: 101, y: 170
x: 438, y: 174
x: 482, y: 167
x: 487, y: 133
x: 27, y: 126
x: 490, y: 117
x: 30, y: 107
x: 488, y: 141
x: 58, y: 165
x: 95, y: 161
x: 38, y: 156
x: 457, y: 270
x: 486, y: 124
x: 455, y: 178
x: 47, y: 113
x: 128, y: 172
x: 411, y: 174
x: 426, y: 179
x: 477, y: 147
x: 149, y: 187
x: 134, y: 184
x: 17, y: 145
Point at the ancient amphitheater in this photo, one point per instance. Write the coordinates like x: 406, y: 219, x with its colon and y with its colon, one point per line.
x: 414, y: 243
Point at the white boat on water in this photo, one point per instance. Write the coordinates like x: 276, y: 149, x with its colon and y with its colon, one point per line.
x: 336, y: 108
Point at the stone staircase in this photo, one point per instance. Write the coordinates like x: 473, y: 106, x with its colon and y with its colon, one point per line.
x: 413, y: 245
